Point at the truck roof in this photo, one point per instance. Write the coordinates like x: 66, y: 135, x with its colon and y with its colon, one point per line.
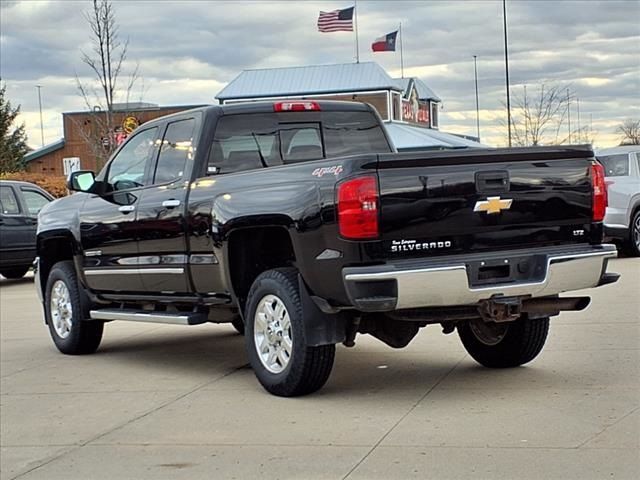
x: 265, y: 107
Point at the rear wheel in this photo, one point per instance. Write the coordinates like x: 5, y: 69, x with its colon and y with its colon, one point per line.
x: 504, y: 345
x: 275, y: 338
x: 15, y: 272
x: 633, y: 242
x: 66, y: 308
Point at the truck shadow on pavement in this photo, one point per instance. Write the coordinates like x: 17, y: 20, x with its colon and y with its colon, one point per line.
x: 361, y: 371
x: 8, y: 283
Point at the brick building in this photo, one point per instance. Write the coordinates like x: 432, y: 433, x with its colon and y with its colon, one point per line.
x: 73, y: 147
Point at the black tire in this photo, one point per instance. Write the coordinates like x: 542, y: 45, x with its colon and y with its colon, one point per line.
x: 632, y: 244
x: 308, y: 368
x: 14, y: 272
x: 83, y: 337
x: 238, y: 324
x: 519, y: 342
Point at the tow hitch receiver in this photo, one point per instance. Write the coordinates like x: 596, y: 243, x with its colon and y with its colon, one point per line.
x: 500, y: 309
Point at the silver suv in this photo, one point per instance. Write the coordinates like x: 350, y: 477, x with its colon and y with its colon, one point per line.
x: 622, y: 174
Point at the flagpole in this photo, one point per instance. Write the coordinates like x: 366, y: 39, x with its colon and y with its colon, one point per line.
x: 506, y: 67
x: 355, y: 13
x: 401, y: 53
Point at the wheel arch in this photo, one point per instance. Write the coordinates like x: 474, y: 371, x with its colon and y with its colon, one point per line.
x: 253, y: 250
x: 52, y: 247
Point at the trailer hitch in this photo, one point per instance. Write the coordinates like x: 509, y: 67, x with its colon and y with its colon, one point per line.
x: 500, y: 309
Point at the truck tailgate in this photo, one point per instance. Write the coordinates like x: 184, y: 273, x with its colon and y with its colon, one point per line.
x: 436, y: 203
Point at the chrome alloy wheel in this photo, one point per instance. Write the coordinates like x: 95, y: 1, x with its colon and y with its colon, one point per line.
x: 272, y: 334
x: 636, y: 232
x: 489, y: 333
x: 61, y: 309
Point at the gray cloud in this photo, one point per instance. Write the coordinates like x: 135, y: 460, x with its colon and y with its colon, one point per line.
x: 189, y: 50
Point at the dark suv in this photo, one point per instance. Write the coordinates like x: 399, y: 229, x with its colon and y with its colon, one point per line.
x: 20, y: 203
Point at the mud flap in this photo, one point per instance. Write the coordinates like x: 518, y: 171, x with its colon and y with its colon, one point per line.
x: 320, y: 328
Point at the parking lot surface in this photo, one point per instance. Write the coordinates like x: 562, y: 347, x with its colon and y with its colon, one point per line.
x: 161, y: 401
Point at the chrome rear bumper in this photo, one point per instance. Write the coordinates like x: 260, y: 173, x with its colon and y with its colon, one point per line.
x: 447, y: 281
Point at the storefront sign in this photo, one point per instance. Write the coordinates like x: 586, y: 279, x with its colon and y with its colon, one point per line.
x: 70, y: 165
x: 415, y: 110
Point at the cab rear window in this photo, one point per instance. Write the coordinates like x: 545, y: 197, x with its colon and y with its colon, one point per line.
x: 250, y: 141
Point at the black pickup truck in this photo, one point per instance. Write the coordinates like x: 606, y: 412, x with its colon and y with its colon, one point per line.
x: 299, y: 223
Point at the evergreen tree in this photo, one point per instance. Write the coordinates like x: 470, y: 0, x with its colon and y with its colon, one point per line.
x: 13, y: 140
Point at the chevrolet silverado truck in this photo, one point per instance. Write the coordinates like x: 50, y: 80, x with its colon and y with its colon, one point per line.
x: 298, y: 222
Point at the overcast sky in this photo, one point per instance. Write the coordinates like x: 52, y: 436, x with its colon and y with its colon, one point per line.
x: 187, y: 51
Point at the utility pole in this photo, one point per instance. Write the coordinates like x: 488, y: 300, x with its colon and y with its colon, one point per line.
x: 506, y: 67
x: 401, y: 52
x: 41, y: 123
x: 579, y: 129
x: 569, y: 114
x: 475, y: 71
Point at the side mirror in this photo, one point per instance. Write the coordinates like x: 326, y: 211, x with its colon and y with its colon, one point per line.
x: 81, y: 181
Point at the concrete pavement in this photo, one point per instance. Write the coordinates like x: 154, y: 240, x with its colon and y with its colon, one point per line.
x: 160, y: 402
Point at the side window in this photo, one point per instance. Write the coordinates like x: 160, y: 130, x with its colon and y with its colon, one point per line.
x: 8, y: 201
x: 242, y: 142
x: 127, y: 169
x: 176, y: 148
x: 34, y: 200
x: 615, y: 165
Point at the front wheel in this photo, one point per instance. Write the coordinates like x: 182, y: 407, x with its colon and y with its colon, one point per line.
x: 66, y: 308
x: 275, y: 337
x: 504, y: 345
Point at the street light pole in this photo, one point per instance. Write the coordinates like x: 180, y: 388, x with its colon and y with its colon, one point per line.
x: 506, y: 67
x: 569, y: 114
x: 475, y: 71
x: 41, y: 124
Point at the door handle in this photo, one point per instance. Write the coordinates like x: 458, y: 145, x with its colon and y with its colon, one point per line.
x: 172, y: 203
x: 127, y: 208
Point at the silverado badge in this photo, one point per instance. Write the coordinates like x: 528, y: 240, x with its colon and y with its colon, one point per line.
x: 492, y: 205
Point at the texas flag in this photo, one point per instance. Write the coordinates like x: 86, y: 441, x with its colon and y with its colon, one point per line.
x: 386, y: 43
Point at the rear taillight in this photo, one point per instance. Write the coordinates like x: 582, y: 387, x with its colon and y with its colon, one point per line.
x: 599, y: 203
x: 358, y: 208
x: 295, y: 106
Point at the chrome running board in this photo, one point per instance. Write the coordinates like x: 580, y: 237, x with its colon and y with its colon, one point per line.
x: 141, y: 316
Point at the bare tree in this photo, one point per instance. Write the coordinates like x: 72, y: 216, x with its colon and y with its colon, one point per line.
x: 537, y: 119
x: 630, y: 129
x: 106, y: 62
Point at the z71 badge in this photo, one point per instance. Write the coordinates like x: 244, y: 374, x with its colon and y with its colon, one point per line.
x: 412, y: 245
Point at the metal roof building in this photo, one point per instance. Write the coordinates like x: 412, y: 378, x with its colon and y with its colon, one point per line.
x: 308, y: 80
x: 409, y: 108
x: 423, y: 90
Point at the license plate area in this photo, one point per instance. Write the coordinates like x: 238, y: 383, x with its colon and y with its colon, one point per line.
x: 505, y: 270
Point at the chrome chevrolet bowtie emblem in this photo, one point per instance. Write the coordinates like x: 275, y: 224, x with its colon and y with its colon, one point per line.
x: 492, y: 205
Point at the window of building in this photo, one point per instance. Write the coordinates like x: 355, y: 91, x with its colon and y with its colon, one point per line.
x: 434, y: 114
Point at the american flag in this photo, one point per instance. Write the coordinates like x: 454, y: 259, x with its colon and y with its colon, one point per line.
x: 336, y: 21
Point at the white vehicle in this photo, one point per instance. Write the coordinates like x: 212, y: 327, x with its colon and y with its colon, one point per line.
x: 622, y: 174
